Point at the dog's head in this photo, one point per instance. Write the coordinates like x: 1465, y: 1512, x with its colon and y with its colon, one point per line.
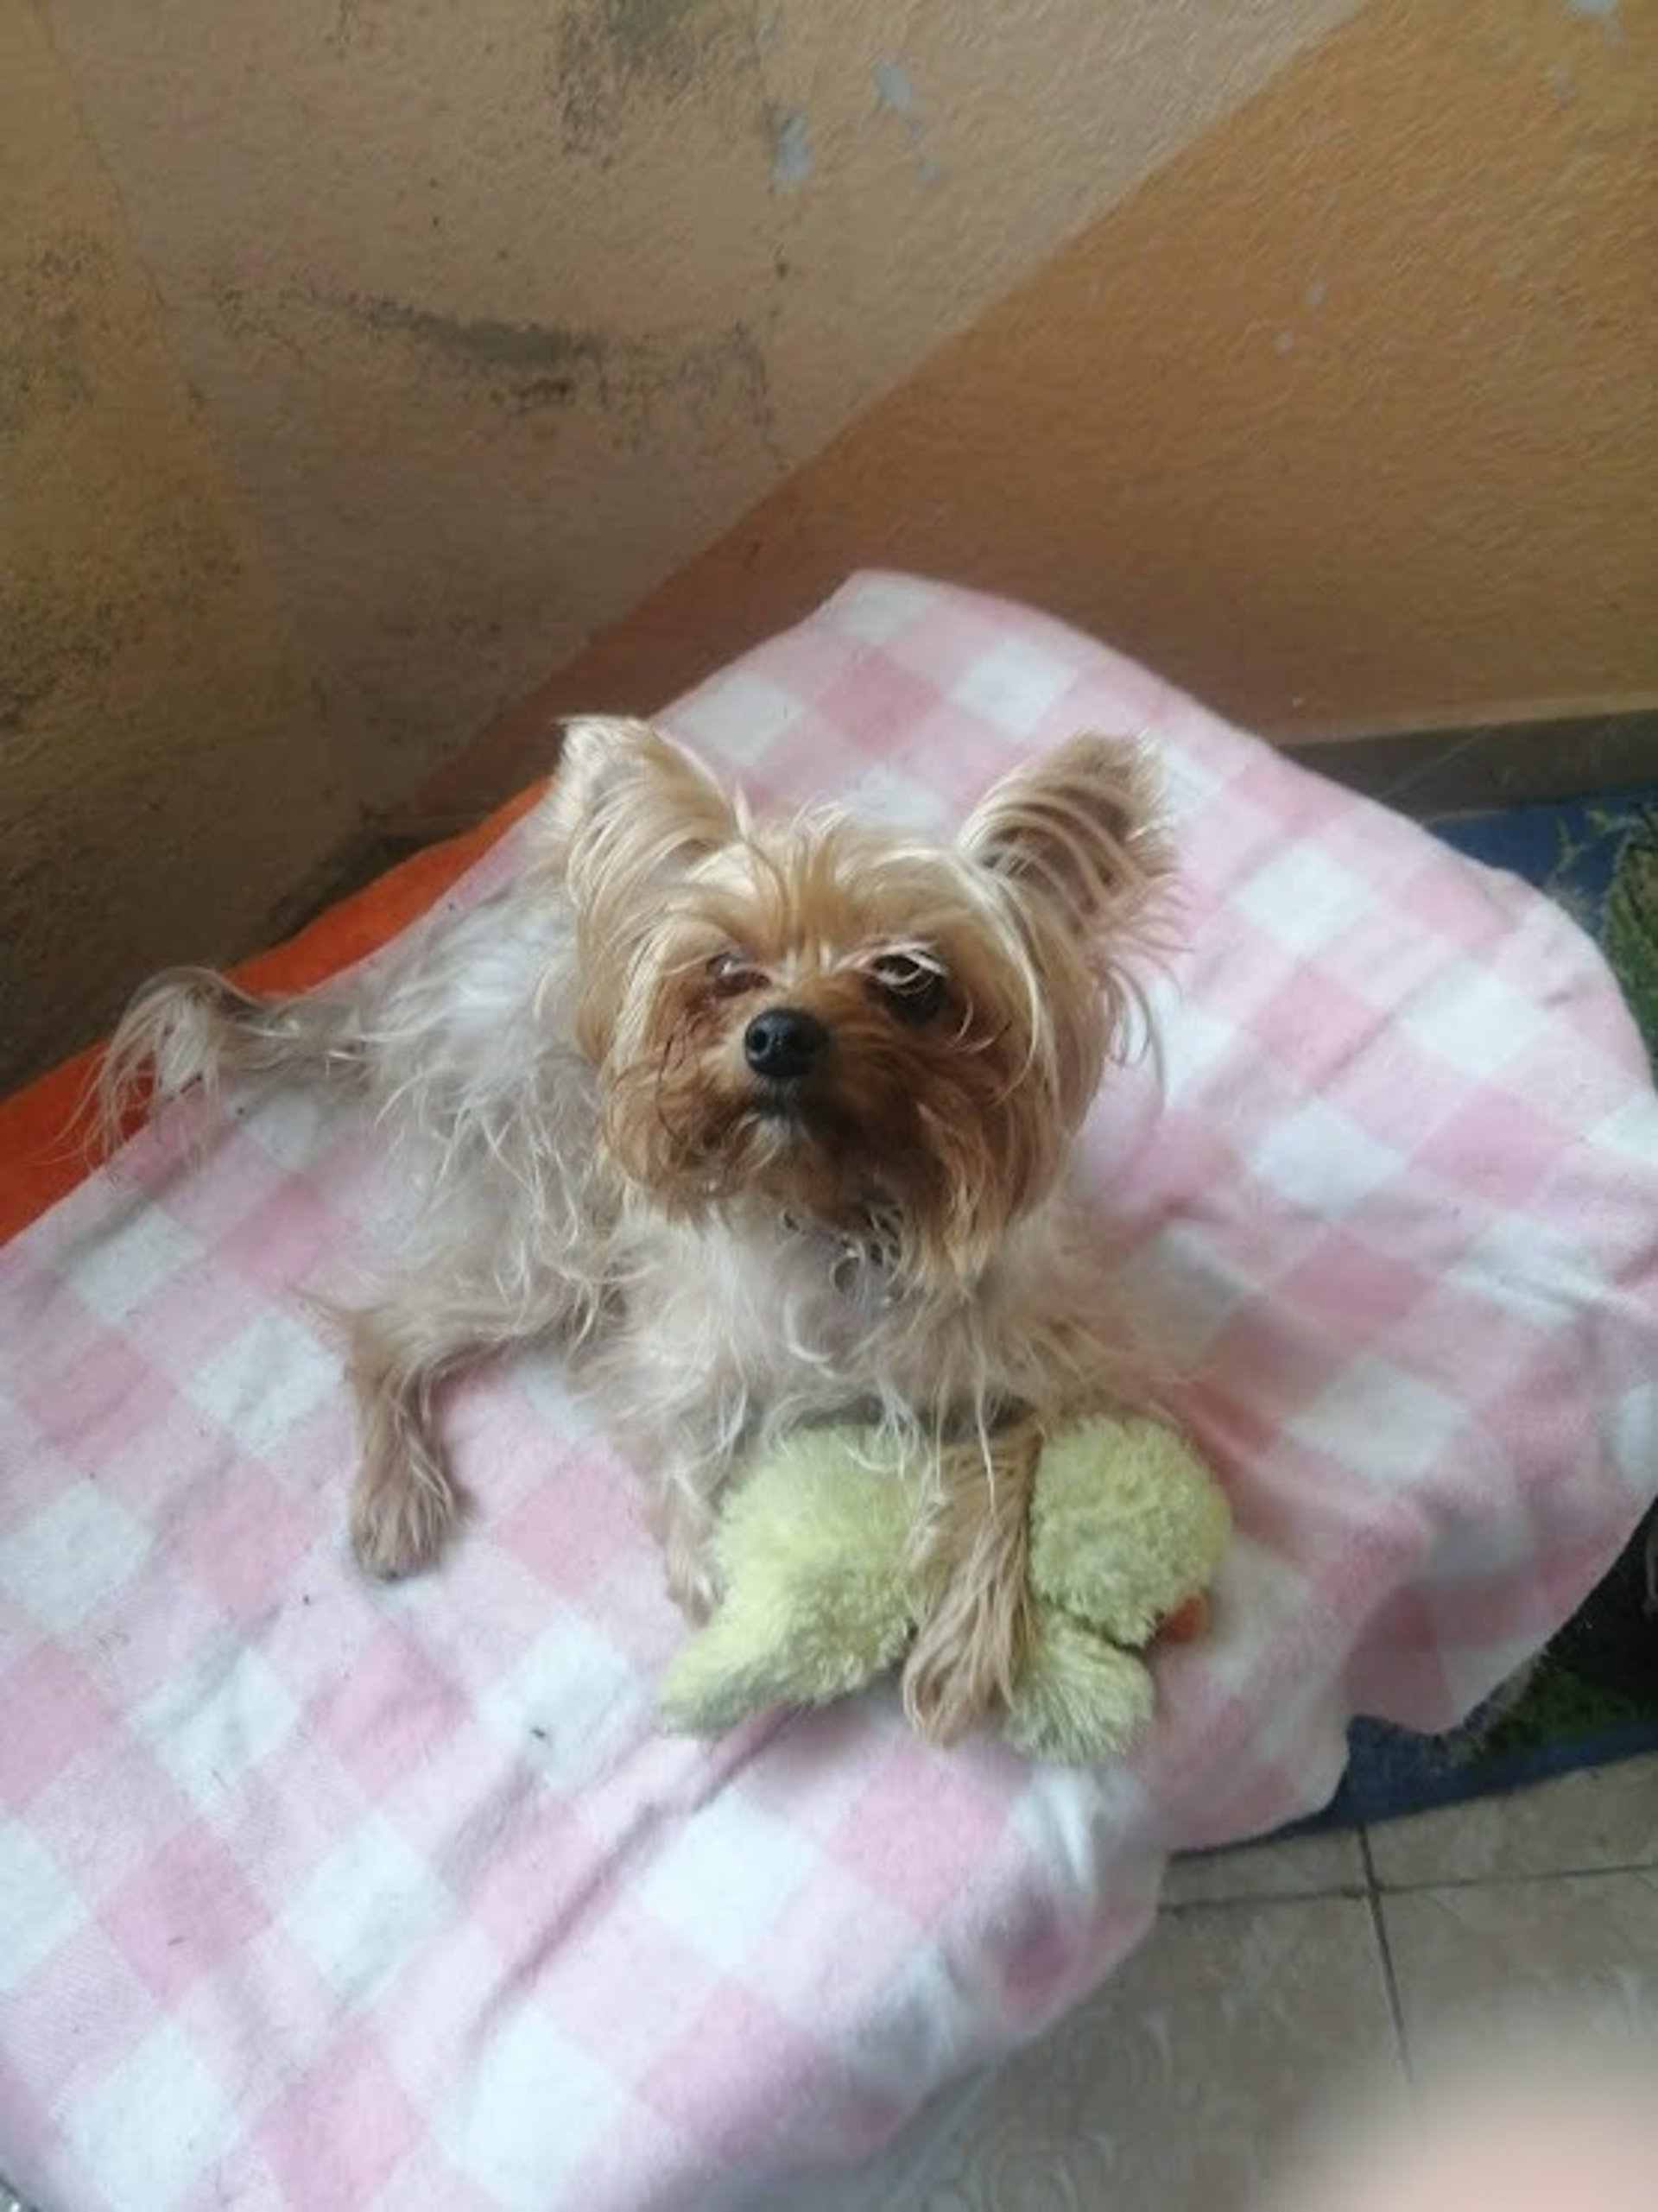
x: 892, y: 1040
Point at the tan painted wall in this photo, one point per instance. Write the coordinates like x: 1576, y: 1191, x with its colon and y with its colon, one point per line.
x: 164, y: 781
x: 503, y: 308
x: 402, y: 351
x: 1347, y: 418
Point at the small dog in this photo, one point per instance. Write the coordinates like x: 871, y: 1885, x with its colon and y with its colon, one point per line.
x: 766, y: 1121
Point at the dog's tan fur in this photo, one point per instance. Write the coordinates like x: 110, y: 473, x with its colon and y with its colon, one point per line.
x: 725, y: 1255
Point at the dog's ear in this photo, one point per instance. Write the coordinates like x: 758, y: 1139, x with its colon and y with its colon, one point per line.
x: 625, y: 797
x: 1076, y: 828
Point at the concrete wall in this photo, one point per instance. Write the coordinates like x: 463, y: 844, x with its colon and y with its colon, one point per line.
x: 1346, y: 417
x: 1299, y: 346
x: 164, y: 776
x: 503, y: 309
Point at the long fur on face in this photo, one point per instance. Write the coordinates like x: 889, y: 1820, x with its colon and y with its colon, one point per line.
x: 969, y: 997
x: 728, y: 1243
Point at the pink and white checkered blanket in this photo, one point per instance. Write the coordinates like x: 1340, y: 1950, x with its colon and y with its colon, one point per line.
x: 327, y: 1897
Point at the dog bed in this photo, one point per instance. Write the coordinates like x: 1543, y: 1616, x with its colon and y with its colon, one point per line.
x: 326, y: 1896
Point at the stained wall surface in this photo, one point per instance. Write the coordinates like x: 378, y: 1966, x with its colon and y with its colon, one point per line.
x: 502, y: 310
x: 165, y: 777
x: 1346, y: 418
x: 470, y: 349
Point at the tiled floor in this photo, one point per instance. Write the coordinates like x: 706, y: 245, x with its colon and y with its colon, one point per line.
x: 1276, y: 1976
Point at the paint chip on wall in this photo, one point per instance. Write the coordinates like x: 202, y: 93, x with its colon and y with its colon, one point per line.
x: 791, y: 159
x: 893, y: 86
x: 896, y: 94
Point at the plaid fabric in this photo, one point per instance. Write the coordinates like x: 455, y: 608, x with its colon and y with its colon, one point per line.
x: 316, y: 1895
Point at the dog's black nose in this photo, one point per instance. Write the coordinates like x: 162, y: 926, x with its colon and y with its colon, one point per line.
x: 784, y: 1044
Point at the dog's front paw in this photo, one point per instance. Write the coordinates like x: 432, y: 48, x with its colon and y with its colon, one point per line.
x: 401, y: 1525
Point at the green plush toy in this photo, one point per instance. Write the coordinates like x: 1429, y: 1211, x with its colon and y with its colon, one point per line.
x: 1127, y: 1528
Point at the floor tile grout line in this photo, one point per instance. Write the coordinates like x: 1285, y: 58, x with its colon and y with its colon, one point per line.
x: 1418, y: 1885
x: 1174, y: 1909
x: 1376, y: 1884
x: 1374, y: 1901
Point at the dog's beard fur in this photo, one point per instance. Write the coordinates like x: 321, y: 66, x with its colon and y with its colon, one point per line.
x: 882, y: 1228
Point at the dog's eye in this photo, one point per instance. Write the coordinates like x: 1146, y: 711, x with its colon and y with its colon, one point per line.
x: 730, y: 975
x: 911, y: 989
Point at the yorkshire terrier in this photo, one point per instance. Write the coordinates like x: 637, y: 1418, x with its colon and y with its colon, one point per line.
x: 765, y: 1121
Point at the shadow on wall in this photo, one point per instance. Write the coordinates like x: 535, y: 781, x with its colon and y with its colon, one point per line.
x: 164, y: 774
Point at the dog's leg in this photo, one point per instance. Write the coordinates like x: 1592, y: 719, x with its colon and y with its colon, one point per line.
x: 405, y: 1503
x: 685, y: 1523
x: 674, y: 1402
x: 693, y: 1464
x: 970, y: 1548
